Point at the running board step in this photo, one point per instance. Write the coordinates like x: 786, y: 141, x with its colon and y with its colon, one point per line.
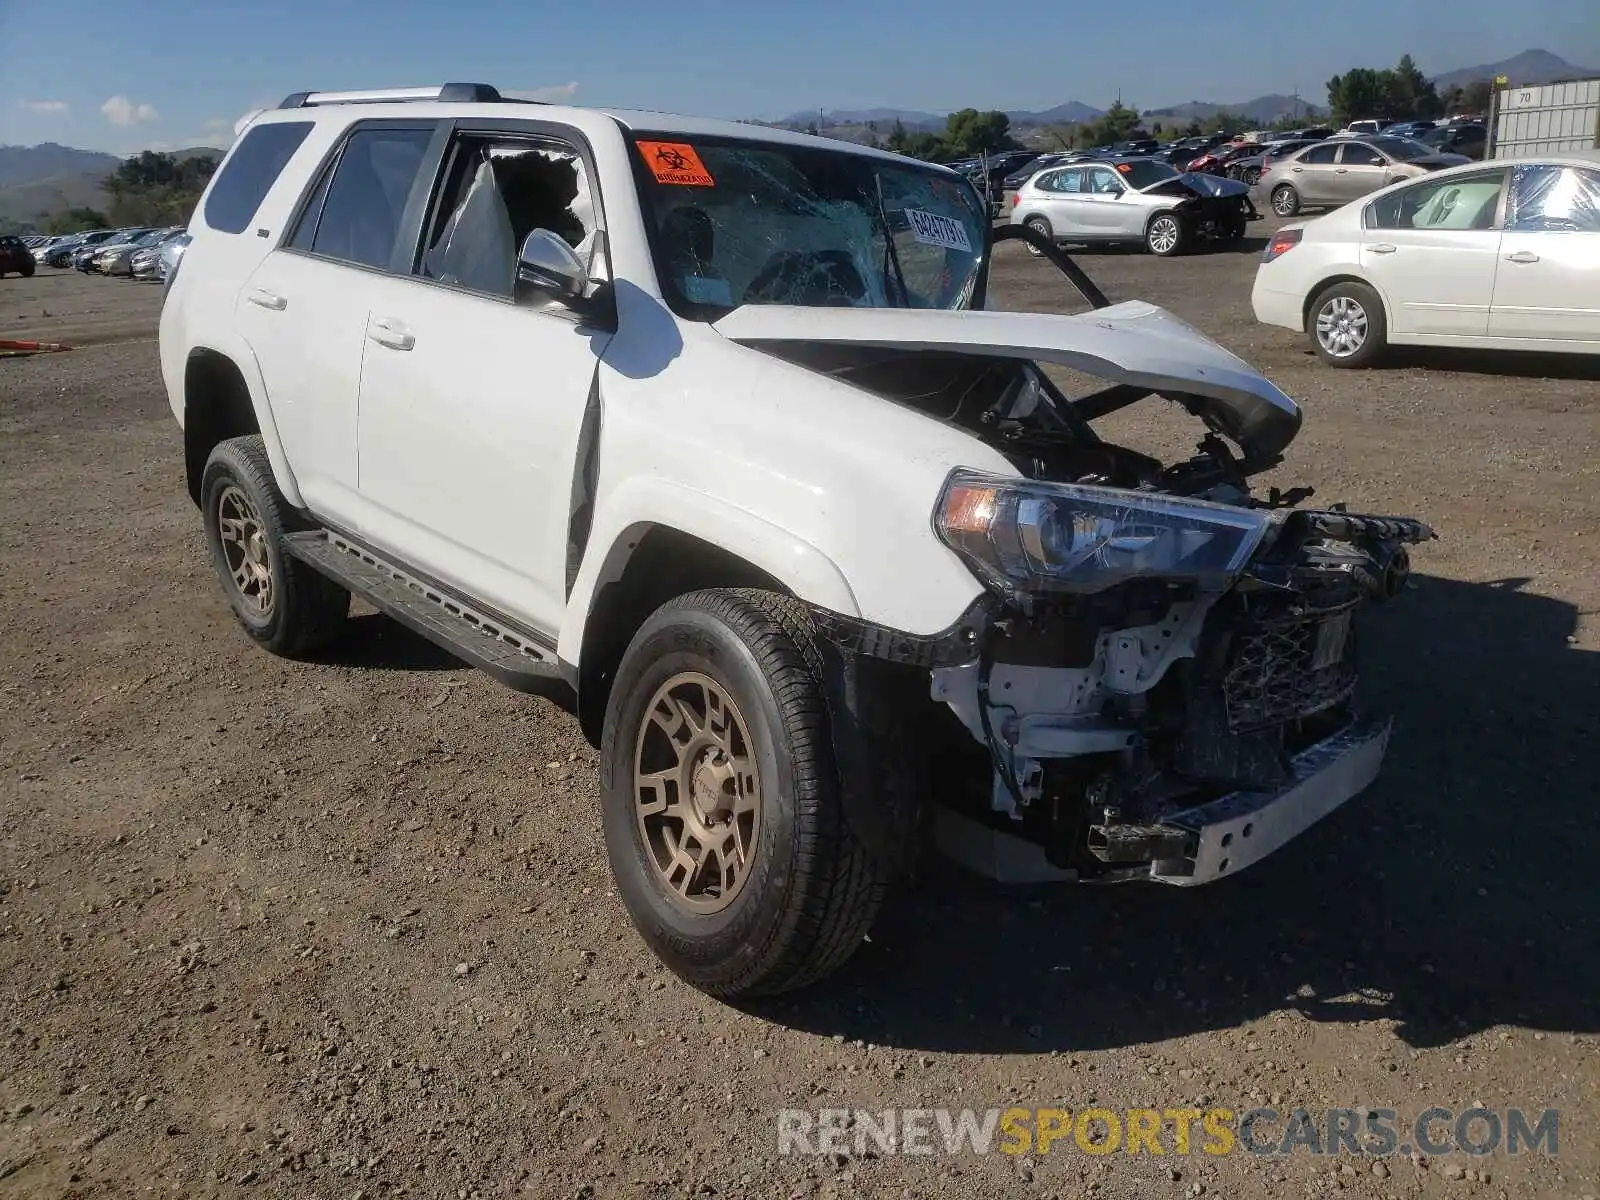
x: 495, y: 646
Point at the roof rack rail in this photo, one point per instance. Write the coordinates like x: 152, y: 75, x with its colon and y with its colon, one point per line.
x: 449, y: 93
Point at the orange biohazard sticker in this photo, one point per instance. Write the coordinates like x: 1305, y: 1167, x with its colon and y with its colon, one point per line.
x: 676, y: 162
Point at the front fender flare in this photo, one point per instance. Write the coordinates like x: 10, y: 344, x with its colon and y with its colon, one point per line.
x: 639, y: 504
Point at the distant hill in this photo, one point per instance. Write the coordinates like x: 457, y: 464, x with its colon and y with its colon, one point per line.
x: 1529, y: 67
x: 35, y: 164
x: 1070, y: 113
x: 885, y: 117
x: 1265, y: 109
x: 37, y: 180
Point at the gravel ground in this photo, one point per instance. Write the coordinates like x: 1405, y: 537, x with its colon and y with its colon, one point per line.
x: 345, y: 928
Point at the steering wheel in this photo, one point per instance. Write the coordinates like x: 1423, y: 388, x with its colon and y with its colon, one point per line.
x: 810, y: 277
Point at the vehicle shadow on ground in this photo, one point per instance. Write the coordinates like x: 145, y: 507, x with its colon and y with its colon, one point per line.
x: 1455, y: 894
x: 375, y: 642
x: 1523, y: 363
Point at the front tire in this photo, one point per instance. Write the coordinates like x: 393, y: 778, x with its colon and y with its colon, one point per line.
x: 1285, y: 200
x: 280, y: 601
x: 1042, y: 227
x: 722, y: 809
x: 1167, y: 235
x: 1347, y: 325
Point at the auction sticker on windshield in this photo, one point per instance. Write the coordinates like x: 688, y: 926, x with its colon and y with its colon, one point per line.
x: 931, y: 229
x: 676, y: 162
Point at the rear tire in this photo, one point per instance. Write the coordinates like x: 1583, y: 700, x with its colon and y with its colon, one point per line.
x: 1347, y: 326
x: 1042, y: 227
x: 281, y: 602
x: 730, y: 849
x: 27, y: 270
x: 1285, y: 200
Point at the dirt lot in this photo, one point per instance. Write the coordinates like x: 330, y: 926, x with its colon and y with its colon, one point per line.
x: 345, y: 928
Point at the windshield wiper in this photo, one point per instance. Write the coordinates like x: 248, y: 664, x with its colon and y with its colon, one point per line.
x: 891, y: 256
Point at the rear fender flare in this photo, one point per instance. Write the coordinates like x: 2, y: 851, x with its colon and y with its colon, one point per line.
x: 238, y: 351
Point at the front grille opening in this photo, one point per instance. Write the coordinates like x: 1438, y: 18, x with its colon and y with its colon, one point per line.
x: 1288, y: 669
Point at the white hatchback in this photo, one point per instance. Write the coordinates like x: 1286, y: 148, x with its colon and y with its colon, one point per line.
x: 1497, y: 255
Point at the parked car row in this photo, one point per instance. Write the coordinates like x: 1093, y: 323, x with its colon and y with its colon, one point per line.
x: 138, y: 252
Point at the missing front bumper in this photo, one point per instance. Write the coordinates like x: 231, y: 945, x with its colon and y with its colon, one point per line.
x: 1241, y: 828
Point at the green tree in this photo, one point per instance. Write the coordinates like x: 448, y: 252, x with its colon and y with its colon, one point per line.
x: 1061, y: 136
x: 157, y: 189
x: 972, y: 132
x: 1400, y: 92
x: 1413, y: 92
x: 923, y: 144
x: 75, y: 220
x: 1473, y: 98
x: 1116, y: 124
x: 897, y: 137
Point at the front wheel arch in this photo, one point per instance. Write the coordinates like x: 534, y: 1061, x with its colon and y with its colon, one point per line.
x: 1184, y: 231
x: 662, y: 564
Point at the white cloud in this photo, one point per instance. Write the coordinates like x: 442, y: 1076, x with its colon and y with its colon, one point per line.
x: 554, y: 94
x: 119, y: 110
x: 46, y: 107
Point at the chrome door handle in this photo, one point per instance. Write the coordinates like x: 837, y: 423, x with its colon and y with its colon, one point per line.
x: 391, y: 333
x: 267, y: 299
x: 1341, y: 171
x: 1384, y: 248
x: 1522, y: 256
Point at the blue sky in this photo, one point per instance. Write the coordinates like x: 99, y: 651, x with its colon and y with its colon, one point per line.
x: 170, y: 73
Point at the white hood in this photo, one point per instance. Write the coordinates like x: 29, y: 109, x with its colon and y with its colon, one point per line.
x: 1131, y: 343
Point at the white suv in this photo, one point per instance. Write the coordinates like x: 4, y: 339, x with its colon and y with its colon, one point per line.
x: 704, y: 424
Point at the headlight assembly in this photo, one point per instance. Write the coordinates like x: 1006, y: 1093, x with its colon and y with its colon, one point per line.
x: 1022, y: 535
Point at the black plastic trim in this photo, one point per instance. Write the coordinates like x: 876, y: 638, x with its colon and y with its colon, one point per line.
x: 540, y: 638
x: 950, y: 647
x: 1079, y: 279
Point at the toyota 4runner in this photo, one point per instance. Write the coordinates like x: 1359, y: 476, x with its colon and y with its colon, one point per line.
x: 706, y: 427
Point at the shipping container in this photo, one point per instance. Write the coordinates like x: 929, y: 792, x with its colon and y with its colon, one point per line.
x: 1552, y: 119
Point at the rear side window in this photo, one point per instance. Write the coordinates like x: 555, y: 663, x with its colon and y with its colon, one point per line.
x: 1321, y: 154
x: 1550, y: 198
x: 250, y: 172
x: 355, y: 217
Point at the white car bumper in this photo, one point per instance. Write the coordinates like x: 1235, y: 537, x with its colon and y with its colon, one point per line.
x: 1244, y: 827
x: 1273, y: 307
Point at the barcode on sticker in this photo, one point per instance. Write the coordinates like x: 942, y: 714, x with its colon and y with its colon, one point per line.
x: 933, y: 230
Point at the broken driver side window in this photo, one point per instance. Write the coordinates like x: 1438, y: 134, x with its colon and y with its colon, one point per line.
x: 497, y: 190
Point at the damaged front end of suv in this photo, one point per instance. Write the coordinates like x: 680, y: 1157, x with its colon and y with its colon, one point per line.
x: 1159, y: 680
x: 1166, y: 685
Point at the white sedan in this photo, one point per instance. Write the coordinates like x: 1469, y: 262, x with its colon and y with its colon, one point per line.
x: 1498, y: 255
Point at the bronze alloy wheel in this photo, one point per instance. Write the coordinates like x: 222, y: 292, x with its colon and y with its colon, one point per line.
x: 244, y: 547
x: 697, y: 792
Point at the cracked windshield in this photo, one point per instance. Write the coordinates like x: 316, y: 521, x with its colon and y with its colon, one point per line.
x: 737, y: 223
